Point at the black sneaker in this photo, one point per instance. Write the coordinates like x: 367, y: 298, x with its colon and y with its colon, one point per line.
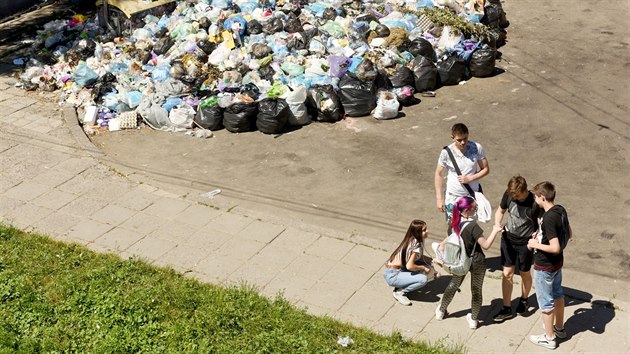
x: 504, y: 314
x: 522, y: 306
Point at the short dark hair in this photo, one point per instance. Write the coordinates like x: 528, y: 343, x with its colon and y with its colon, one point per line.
x: 545, y: 189
x: 459, y: 129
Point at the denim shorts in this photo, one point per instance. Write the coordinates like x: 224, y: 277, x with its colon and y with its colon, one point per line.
x: 548, y: 287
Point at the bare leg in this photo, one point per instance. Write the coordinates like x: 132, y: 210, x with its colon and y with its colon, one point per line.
x: 507, y: 282
x: 526, y: 286
x: 547, y: 318
x: 558, y: 309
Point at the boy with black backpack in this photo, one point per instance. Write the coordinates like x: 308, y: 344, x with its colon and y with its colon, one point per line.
x: 548, y: 246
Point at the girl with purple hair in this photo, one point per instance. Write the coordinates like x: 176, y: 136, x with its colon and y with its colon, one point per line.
x: 464, y: 224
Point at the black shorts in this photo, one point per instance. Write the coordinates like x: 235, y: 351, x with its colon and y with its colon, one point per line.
x: 511, y: 252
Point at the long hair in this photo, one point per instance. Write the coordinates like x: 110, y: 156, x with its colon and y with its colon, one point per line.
x: 463, y: 203
x: 413, y: 232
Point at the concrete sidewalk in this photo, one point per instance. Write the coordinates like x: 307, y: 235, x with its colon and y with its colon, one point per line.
x: 52, y: 180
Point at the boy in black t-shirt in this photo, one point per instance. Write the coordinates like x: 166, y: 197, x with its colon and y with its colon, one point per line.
x: 521, y: 224
x: 548, y: 247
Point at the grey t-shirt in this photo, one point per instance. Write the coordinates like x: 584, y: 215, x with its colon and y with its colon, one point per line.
x: 521, y: 222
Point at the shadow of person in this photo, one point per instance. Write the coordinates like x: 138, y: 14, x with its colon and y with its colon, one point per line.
x: 590, y: 315
x: 493, y: 264
x: 432, y: 291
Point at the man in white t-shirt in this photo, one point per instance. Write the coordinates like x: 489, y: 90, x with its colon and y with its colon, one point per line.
x: 472, y: 162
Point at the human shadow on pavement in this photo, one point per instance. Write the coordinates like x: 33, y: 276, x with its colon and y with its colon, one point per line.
x: 590, y: 315
x: 432, y: 291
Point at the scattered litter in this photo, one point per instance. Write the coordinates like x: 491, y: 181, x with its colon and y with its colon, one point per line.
x: 211, y: 194
x: 18, y: 61
x: 345, y: 341
x: 450, y: 118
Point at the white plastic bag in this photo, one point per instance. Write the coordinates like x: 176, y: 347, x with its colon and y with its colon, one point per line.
x: 484, y: 209
x: 386, y: 105
x: 296, y: 99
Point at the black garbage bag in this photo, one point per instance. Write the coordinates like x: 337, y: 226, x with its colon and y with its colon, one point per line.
x: 425, y: 74
x: 207, y: 46
x: 266, y: 72
x: 250, y: 89
x: 357, y: 97
x: 498, y: 37
x: 260, y: 50
x: 365, y: 70
x: 402, y: 77
x: 451, y: 70
x: 204, y: 23
x: 405, y: 95
x: 296, y: 41
x: 382, y: 81
x: 240, y: 117
x: 494, y: 16
x: 323, y: 103
x: 82, y: 50
x: 329, y: 14
x: 421, y: 46
x: 293, y: 25
x: 272, y: 26
x: 483, y: 61
x: 103, y: 85
x: 382, y: 31
x: 163, y: 45
x: 273, y: 115
x: 162, y: 32
x: 253, y: 27
x: 209, y: 114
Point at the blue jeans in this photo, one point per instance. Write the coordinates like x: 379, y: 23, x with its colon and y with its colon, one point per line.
x: 407, y: 281
x: 548, y: 288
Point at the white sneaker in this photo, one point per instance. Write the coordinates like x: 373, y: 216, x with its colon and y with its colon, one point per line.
x: 401, y: 297
x: 439, y: 315
x: 471, y: 323
x: 543, y: 341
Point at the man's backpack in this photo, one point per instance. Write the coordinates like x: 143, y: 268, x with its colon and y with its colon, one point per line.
x: 456, y: 260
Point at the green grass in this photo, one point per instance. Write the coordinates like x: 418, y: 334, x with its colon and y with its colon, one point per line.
x: 56, y: 297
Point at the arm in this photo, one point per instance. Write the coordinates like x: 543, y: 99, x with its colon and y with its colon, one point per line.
x: 553, y: 247
x: 484, y: 169
x: 412, y: 266
x: 440, y: 171
x: 486, y: 243
x: 498, y: 216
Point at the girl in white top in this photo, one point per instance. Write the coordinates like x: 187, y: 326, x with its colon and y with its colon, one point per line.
x: 407, y: 268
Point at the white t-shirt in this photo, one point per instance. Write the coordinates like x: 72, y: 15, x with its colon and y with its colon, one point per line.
x: 468, y: 163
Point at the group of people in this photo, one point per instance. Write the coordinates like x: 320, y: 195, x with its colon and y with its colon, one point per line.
x: 534, y: 233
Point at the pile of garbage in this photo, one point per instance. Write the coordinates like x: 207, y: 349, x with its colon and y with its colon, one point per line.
x: 265, y: 65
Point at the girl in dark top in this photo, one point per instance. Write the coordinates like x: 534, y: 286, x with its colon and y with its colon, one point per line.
x: 464, y: 224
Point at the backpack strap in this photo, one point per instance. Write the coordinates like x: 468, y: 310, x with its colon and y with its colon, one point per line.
x: 458, y: 171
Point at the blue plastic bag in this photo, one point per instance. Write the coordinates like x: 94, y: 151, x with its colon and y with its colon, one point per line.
x: 171, y: 102
x: 83, y: 75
